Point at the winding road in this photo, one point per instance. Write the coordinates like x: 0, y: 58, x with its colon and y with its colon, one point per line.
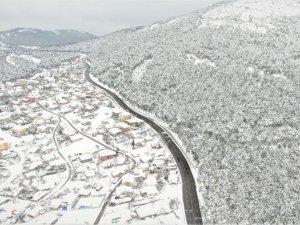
x: 190, y: 198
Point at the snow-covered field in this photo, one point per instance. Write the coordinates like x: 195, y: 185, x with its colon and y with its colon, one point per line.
x: 198, y: 61
x: 139, y: 71
x: 13, y: 59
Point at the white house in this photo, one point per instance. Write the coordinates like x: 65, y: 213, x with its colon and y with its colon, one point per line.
x: 128, y: 180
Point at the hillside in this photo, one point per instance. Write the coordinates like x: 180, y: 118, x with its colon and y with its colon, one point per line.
x: 42, y: 38
x: 227, y: 82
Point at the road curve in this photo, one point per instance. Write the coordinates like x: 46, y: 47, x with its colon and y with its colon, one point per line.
x: 190, y: 198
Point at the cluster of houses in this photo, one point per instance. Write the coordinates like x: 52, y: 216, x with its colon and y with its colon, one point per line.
x: 79, y: 175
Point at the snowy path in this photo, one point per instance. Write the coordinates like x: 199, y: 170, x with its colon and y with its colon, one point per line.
x: 70, y: 168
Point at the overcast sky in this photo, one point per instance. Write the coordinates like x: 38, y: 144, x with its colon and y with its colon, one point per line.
x: 95, y: 16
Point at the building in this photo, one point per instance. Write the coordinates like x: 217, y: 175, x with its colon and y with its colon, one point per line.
x: 159, y: 163
x: 173, y: 178
x: 84, y: 193
x: 4, y: 145
x: 124, y: 116
x: 153, y: 209
x: 124, y: 127
x: 156, y: 145
x: 119, y: 171
x: 21, y: 82
x: 107, y: 154
x: 76, y: 137
x: 18, y: 92
x: 124, y: 191
x: 128, y: 180
x: 139, y: 142
x: 119, y: 201
x: 28, y: 99
x: 20, y: 130
x: 39, y: 195
x: 85, y: 158
x: 55, y: 204
x: 134, y: 122
x: 5, y: 116
x: 114, y: 131
x: 35, y: 212
x: 149, y: 191
x: 116, y: 113
x: 140, y: 174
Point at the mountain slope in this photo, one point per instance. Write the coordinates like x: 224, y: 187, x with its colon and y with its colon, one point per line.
x: 42, y: 38
x: 227, y: 82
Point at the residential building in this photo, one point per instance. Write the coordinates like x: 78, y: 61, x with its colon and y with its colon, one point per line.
x: 107, y: 154
x: 85, y: 158
x: 128, y: 180
x: 124, y: 116
x: 114, y: 131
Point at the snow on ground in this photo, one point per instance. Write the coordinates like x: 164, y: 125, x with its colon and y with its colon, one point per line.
x: 139, y: 71
x: 57, y: 32
x: 103, y: 114
x: 82, y: 216
x: 12, y: 59
x: 26, y: 30
x: 3, y: 46
x: 29, y: 47
x: 198, y: 61
x: 14, y: 169
x: 262, y: 73
x: 31, y: 58
x: 254, y: 15
x: 280, y: 76
x: 16, y: 206
x: 46, y: 219
x: 158, y: 25
x: 82, y: 146
x: 119, y: 212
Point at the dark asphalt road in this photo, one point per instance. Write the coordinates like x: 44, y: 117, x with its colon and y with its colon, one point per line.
x: 190, y: 199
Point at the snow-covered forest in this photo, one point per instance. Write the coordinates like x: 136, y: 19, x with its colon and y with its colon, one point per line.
x: 227, y: 81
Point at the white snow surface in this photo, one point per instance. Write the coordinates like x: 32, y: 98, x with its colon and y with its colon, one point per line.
x: 26, y: 30
x: 198, y: 61
x: 139, y: 71
x: 29, y: 47
x: 280, y: 76
x: 253, y: 15
x: 11, y: 58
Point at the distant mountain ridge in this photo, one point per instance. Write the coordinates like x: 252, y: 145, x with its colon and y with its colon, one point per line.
x: 43, y: 38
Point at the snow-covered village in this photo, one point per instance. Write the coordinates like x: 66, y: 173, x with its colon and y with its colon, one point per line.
x: 70, y: 155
